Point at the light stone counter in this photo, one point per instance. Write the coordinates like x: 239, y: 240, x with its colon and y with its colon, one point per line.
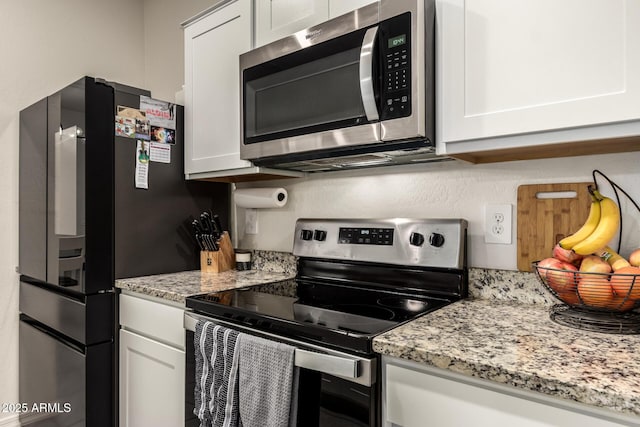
x: 514, y: 342
x: 269, y: 267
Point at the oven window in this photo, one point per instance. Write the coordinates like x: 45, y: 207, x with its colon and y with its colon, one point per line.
x: 343, y: 403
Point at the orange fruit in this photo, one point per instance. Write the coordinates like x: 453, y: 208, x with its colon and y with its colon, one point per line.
x: 595, y: 291
x: 627, y: 281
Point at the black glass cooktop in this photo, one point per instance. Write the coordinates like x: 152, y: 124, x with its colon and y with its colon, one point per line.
x: 343, y: 316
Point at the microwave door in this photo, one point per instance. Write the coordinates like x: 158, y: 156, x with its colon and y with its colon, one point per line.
x: 319, y: 98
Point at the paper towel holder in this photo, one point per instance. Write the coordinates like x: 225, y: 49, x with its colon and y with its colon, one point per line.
x: 260, y: 198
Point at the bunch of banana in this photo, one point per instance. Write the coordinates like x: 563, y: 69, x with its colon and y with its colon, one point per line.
x: 601, y: 225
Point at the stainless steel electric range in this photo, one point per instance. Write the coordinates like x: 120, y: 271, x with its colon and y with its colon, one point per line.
x: 356, y: 279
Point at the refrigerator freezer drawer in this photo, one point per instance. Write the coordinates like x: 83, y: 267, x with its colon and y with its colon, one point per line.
x: 61, y: 384
x: 87, y: 320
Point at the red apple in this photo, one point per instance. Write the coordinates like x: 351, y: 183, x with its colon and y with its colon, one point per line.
x: 634, y: 258
x: 564, y: 278
x: 566, y: 255
x: 548, y: 263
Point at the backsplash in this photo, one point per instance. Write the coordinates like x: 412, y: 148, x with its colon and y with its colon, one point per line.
x: 438, y: 190
x: 505, y: 285
x: 275, y: 262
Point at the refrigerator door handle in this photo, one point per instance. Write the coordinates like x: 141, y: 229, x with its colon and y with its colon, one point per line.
x: 68, y: 181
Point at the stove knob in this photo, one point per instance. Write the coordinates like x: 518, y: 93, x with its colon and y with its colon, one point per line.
x: 416, y: 239
x: 436, y: 239
x: 306, y: 234
x: 319, y: 235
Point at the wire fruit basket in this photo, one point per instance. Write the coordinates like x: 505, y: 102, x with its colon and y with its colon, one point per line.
x: 605, y: 292
x: 600, y: 302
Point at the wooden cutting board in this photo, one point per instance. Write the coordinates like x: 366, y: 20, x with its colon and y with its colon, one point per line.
x: 542, y: 221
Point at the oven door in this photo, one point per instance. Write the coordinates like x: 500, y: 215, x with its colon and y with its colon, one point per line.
x: 334, y: 389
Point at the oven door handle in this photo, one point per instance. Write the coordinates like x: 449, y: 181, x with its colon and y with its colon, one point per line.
x: 327, y: 364
x: 338, y: 363
x: 366, y: 74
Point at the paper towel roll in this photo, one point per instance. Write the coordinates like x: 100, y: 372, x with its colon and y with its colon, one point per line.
x: 260, y: 197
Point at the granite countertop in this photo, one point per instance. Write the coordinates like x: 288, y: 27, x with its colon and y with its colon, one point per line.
x: 177, y: 286
x: 517, y: 344
x: 269, y: 267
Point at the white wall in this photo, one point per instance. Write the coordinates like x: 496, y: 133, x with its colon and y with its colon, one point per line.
x: 449, y: 189
x: 46, y: 45
x: 163, y: 43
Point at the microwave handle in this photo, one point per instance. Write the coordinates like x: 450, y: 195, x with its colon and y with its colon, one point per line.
x: 366, y: 74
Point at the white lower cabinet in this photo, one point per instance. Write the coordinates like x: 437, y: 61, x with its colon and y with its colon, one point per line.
x: 152, y: 363
x: 417, y: 396
x: 151, y: 382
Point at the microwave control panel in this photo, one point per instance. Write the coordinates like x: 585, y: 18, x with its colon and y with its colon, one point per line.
x: 395, y: 52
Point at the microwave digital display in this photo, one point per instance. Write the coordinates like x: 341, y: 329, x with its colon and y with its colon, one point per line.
x: 397, y: 41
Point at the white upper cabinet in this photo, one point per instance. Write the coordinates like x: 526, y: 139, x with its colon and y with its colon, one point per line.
x: 276, y: 19
x: 212, y: 88
x: 522, y: 67
x: 340, y: 7
x: 213, y: 42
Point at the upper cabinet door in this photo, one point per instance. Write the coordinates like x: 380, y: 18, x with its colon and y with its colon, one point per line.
x: 340, y: 7
x: 212, y: 88
x: 522, y: 66
x: 276, y: 19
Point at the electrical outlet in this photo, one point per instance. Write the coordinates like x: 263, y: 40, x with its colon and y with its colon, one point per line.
x: 251, y: 221
x: 497, y: 224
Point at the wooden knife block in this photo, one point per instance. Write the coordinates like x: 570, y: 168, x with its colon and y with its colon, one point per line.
x: 221, y: 260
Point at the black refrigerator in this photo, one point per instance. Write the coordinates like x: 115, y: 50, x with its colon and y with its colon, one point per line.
x: 83, y: 224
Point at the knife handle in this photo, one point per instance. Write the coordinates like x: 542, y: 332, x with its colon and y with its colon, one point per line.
x: 217, y: 224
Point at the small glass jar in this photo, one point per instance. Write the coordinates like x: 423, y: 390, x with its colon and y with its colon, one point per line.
x: 243, y: 260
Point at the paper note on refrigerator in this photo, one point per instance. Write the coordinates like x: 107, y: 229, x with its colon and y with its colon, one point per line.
x: 160, y: 114
x: 142, y: 164
x: 160, y: 152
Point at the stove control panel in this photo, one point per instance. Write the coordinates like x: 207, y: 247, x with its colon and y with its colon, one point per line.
x: 421, y: 242
x: 365, y: 236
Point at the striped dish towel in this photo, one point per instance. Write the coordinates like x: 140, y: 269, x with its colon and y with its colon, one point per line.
x: 216, y: 390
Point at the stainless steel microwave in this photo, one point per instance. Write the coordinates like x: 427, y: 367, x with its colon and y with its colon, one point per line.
x: 357, y: 90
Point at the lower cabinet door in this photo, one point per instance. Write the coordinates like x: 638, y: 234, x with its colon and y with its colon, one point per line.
x: 418, y: 399
x: 151, y: 382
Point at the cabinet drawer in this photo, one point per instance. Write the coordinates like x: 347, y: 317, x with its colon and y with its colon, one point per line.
x: 153, y: 319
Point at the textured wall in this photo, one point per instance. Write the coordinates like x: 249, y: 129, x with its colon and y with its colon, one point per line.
x: 450, y: 189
